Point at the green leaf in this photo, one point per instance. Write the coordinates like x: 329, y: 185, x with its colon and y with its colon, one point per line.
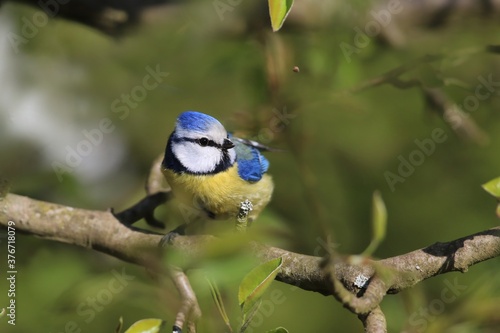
x: 120, y: 325
x: 278, y: 330
x: 151, y: 325
x: 278, y: 11
x: 256, y: 282
x: 218, y: 301
x: 379, y: 223
x: 493, y: 187
x: 247, y: 317
x: 379, y: 217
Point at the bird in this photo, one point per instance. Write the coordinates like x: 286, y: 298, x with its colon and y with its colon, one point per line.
x: 213, y: 171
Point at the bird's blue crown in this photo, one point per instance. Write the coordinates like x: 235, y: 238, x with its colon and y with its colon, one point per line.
x: 196, y: 121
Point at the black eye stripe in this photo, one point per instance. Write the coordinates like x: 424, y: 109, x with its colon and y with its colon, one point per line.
x: 204, y: 142
x: 210, y: 143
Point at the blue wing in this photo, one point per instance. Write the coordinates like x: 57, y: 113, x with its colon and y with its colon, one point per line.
x: 251, y: 163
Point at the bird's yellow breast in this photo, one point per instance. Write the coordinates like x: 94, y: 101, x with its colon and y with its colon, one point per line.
x: 220, y: 194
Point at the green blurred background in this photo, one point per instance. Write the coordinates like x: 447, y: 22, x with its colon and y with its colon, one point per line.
x: 340, y: 145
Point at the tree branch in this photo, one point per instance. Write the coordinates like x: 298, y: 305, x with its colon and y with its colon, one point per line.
x: 190, y: 310
x: 374, y: 321
x: 436, y: 99
x: 101, y: 231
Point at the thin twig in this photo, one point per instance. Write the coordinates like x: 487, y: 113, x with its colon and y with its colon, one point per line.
x: 189, y: 311
x: 374, y: 321
x: 144, y: 209
x: 156, y: 181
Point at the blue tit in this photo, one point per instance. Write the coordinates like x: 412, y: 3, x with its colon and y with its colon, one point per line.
x: 212, y: 170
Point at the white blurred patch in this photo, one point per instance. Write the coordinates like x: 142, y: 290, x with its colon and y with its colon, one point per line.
x: 37, y: 104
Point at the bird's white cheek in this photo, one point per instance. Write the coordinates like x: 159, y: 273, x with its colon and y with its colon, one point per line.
x: 232, y: 155
x: 196, y: 158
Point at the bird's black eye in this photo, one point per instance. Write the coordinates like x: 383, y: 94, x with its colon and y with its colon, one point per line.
x: 203, y: 142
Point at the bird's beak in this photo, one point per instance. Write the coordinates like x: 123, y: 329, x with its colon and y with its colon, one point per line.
x: 227, y: 144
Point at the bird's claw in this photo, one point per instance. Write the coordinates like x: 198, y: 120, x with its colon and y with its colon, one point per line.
x: 169, y: 237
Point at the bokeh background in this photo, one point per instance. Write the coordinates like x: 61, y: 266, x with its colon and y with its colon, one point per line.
x: 343, y: 126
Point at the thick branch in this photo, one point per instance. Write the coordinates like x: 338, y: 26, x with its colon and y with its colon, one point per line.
x: 98, y: 230
x: 101, y: 231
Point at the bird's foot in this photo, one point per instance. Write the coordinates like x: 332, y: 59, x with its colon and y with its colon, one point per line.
x: 169, y: 237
